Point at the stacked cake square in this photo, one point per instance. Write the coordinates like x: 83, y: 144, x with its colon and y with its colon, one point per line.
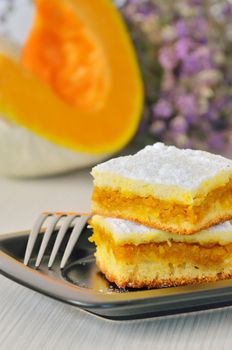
x: 161, y: 217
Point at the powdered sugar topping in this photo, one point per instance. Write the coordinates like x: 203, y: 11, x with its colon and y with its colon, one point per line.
x: 161, y: 164
x: 122, y: 227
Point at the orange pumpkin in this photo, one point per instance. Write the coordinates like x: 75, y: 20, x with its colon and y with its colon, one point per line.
x: 78, y: 83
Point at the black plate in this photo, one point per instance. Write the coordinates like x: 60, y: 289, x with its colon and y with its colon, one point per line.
x: 81, y: 284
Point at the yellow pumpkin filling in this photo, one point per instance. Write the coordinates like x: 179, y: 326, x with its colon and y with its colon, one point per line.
x: 163, y: 214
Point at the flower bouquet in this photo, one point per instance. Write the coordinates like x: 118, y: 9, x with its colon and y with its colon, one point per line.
x: 184, y: 50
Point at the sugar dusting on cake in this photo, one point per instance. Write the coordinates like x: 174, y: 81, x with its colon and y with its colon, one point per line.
x: 161, y: 164
x: 126, y: 232
x: 126, y: 226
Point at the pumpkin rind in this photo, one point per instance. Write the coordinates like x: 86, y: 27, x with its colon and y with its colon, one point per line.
x: 27, y: 100
x: 25, y: 154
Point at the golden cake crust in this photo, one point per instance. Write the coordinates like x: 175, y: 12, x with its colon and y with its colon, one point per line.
x: 171, y: 229
x: 160, y: 283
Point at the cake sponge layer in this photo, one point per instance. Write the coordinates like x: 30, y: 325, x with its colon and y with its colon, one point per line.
x: 157, y: 274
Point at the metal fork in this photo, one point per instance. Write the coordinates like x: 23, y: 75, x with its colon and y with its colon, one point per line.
x: 69, y: 221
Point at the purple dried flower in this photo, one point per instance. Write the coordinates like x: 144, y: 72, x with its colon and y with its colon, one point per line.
x: 183, y: 47
x: 179, y: 124
x: 146, y: 9
x: 187, y: 105
x: 181, y: 28
x: 227, y: 11
x: 199, y: 27
x: 217, y: 141
x: 158, y: 127
x: 167, y: 58
x: 195, y: 2
x: 192, y: 119
x: 138, y: 8
x: 162, y: 109
x: 211, y: 115
x: 191, y: 65
x: 198, y: 60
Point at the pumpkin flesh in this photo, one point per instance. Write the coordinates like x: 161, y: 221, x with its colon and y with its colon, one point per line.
x: 65, y: 54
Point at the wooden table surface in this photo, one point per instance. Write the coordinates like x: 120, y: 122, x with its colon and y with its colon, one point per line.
x: 29, y: 320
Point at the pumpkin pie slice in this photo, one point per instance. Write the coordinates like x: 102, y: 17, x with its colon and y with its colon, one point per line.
x: 177, y: 190
x: 133, y: 255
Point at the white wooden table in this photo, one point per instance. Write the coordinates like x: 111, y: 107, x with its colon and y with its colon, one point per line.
x: 29, y: 320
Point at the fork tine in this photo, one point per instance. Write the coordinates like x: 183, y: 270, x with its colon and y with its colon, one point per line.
x: 46, y: 237
x: 62, y: 231
x: 73, y: 239
x: 33, y: 235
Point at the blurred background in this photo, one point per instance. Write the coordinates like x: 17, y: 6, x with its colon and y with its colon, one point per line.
x: 183, y: 50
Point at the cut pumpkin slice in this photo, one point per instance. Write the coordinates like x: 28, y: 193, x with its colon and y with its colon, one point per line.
x: 78, y: 83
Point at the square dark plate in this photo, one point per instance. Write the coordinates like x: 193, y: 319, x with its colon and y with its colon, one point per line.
x: 82, y: 285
